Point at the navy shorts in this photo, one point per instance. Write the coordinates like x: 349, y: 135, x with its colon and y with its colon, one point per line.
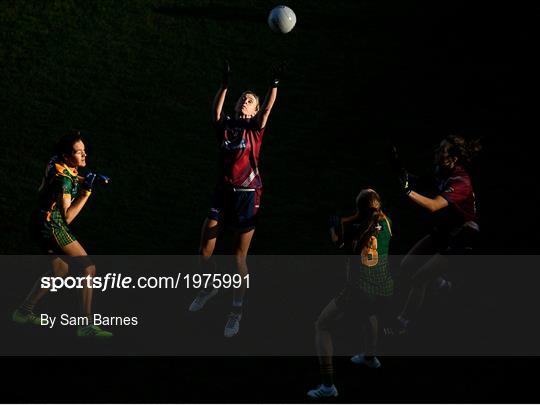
x: 236, y: 207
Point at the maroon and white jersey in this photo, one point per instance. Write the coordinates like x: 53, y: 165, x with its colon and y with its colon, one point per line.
x: 457, y: 189
x: 239, y: 144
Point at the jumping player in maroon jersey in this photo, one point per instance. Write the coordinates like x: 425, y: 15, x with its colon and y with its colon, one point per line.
x: 237, y: 196
x: 456, y: 228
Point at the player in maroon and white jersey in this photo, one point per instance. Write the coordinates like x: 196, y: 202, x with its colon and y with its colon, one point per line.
x: 455, y: 229
x: 238, y: 192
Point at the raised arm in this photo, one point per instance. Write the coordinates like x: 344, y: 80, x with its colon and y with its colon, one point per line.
x: 267, y: 105
x: 336, y: 224
x: 217, y: 105
x: 431, y: 204
x: 271, y: 95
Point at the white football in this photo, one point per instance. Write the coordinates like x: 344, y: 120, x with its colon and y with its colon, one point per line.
x: 281, y: 19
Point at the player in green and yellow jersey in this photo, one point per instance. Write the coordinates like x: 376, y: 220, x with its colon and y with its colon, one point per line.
x: 62, y: 196
x: 365, y: 237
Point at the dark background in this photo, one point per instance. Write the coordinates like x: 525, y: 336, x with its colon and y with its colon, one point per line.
x: 138, y: 78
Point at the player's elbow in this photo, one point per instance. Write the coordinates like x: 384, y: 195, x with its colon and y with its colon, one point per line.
x: 436, y: 205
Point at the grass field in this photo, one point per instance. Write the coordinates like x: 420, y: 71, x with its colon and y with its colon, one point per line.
x: 138, y: 79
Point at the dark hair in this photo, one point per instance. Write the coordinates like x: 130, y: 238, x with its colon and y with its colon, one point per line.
x: 64, y: 146
x: 463, y: 149
x: 368, y: 206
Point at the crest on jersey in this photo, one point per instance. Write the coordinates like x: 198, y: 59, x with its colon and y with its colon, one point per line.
x: 236, y: 141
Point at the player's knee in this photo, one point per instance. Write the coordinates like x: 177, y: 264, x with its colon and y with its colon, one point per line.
x: 241, y: 265
x: 61, y: 272
x: 90, y: 270
x: 240, y: 259
x: 82, y: 264
x: 206, y: 252
x: 317, y: 326
x: 207, y: 264
x: 321, y: 325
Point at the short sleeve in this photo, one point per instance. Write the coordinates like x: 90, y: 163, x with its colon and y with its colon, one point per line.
x: 258, y: 132
x: 62, y: 186
x: 457, y: 189
x: 220, y: 127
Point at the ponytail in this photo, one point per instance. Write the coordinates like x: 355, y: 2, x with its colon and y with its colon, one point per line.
x: 368, y: 228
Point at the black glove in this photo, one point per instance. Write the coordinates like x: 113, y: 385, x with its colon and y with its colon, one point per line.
x: 93, y: 178
x: 393, y: 157
x: 88, y: 182
x: 335, y: 225
x: 226, y: 72
x: 334, y: 222
x: 277, y: 72
x: 404, y: 176
x: 404, y: 181
x: 102, y: 179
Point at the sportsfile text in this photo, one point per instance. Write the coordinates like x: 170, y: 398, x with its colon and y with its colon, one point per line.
x: 109, y: 281
x: 117, y: 281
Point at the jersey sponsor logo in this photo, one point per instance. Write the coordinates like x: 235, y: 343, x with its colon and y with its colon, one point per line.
x: 234, y: 144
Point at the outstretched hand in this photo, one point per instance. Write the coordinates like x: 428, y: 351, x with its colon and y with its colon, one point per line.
x: 277, y: 72
x: 102, y: 179
x: 393, y: 157
x: 336, y: 230
x: 88, y: 182
x: 404, y: 181
x: 93, y: 178
x: 399, y: 170
x: 226, y: 73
